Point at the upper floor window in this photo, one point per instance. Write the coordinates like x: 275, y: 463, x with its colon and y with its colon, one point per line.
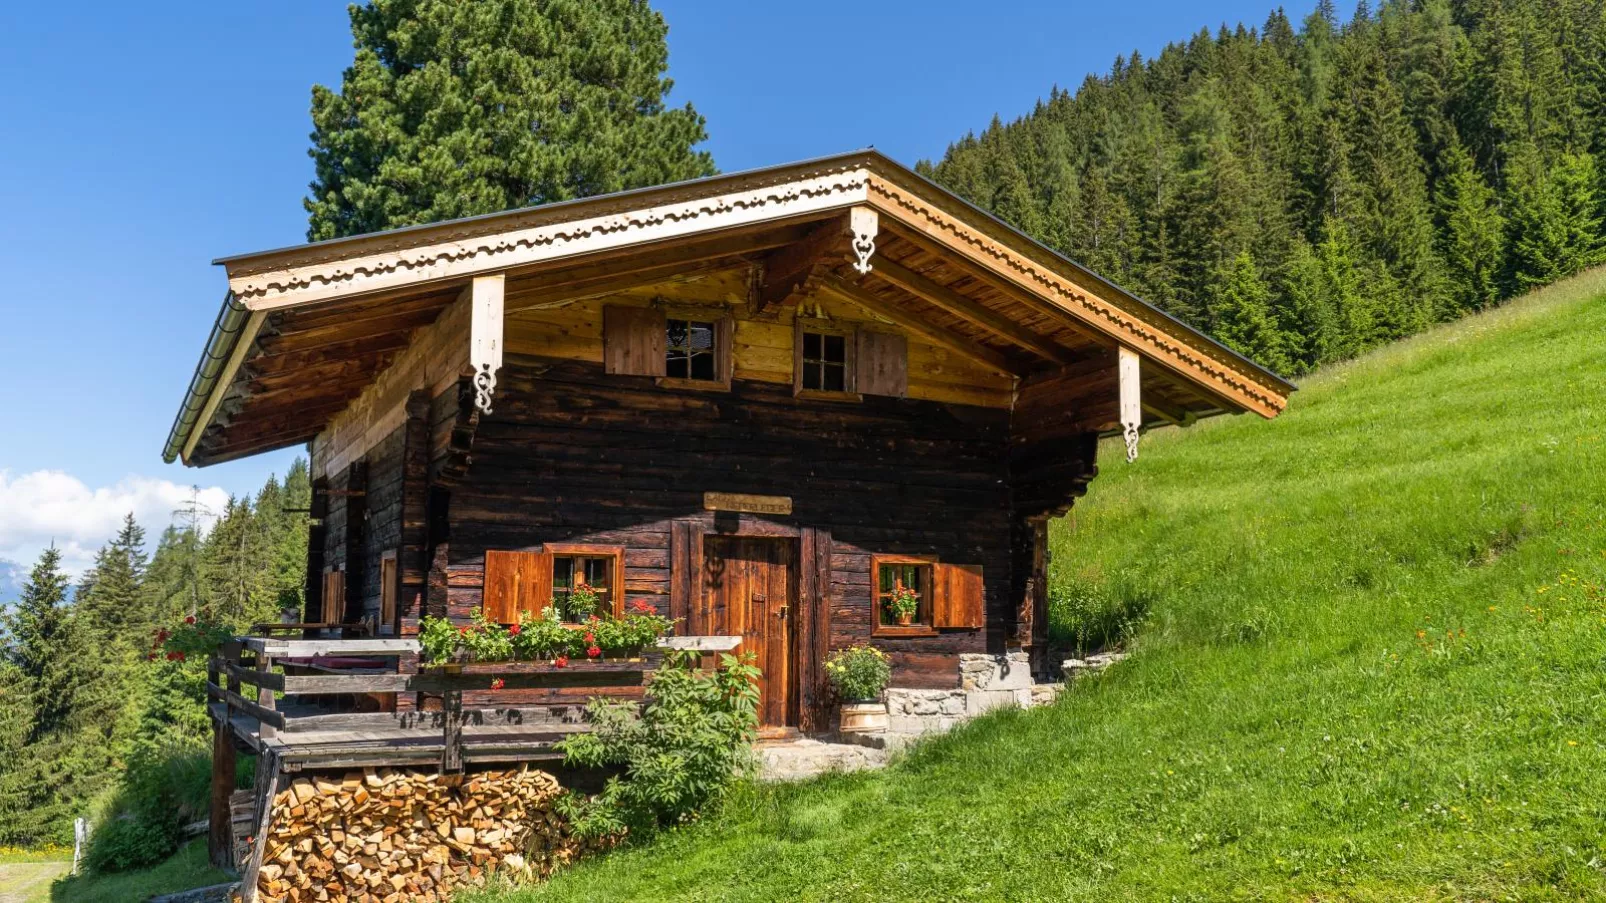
x: 690, y: 350
x: 824, y: 361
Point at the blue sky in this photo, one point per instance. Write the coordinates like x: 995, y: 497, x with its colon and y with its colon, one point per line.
x: 143, y: 140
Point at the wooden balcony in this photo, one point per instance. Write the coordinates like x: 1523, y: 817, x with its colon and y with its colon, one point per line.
x: 336, y: 703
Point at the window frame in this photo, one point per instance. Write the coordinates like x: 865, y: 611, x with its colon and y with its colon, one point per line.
x: 849, y: 335
x: 928, y: 577
x: 389, y: 592
x: 616, y: 600
x: 723, y: 330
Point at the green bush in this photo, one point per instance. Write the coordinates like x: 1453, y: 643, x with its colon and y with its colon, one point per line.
x: 1085, y: 614
x: 676, y: 754
x: 858, y: 673
x: 164, y: 788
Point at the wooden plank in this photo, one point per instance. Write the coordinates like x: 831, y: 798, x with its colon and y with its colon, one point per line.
x: 289, y: 648
x: 452, y: 733
x: 987, y: 357
x: 269, y: 717
x: 939, y: 295
x: 238, y: 675
x: 700, y: 643
x: 269, y: 777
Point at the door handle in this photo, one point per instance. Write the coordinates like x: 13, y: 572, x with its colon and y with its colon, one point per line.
x: 782, y: 612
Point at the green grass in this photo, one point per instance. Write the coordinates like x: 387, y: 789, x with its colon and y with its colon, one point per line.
x: 186, y: 869
x: 1372, y: 666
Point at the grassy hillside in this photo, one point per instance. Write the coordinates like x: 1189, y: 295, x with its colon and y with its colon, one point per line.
x: 1373, y: 667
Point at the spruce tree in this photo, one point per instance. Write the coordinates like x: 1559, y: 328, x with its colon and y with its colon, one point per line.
x: 41, y: 645
x: 459, y: 107
x: 1240, y: 308
x: 1473, y: 237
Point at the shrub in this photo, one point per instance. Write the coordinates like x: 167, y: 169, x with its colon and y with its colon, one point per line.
x: 1085, y: 614
x: 858, y: 673
x: 164, y: 788
x: 676, y: 754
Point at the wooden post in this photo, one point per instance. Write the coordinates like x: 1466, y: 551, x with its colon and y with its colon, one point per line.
x: 265, y: 697
x: 452, y: 714
x: 267, y: 787
x: 220, y: 832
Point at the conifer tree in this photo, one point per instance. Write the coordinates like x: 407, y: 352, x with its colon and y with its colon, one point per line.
x: 460, y: 107
x: 1474, y: 236
x: 1241, y: 310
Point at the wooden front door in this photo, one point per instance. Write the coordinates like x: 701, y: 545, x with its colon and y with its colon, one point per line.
x: 749, y: 589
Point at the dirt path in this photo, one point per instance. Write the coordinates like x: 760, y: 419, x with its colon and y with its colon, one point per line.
x: 29, y: 882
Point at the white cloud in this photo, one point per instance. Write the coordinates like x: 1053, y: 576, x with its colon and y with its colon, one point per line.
x: 48, y: 506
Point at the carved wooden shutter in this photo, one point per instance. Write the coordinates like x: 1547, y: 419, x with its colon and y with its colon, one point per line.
x: 633, y: 340
x: 881, y: 364
x: 515, y: 582
x: 958, y: 596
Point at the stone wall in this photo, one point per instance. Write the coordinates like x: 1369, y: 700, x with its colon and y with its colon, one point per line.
x: 986, y: 682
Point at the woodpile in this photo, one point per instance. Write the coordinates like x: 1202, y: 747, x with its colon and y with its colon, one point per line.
x: 395, y: 835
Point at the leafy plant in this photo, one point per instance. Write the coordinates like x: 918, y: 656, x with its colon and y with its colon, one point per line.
x: 678, y: 752
x: 199, y: 638
x: 544, y: 637
x: 903, y: 602
x: 582, y: 602
x: 486, y: 641
x: 858, y: 673
x: 438, y: 639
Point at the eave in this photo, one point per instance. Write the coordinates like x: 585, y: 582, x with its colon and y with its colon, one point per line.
x: 996, y: 287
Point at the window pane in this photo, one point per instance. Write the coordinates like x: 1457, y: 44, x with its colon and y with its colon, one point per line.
x: 811, y: 375
x: 835, y: 349
x: 702, y: 365
x: 811, y: 346
x: 835, y: 378
x: 702, y: 336
x: 676, y: 364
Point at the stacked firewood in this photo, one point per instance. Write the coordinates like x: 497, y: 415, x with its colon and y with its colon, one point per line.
x: 388, y: 836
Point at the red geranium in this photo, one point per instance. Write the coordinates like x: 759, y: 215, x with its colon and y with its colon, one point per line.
x: 561, y: 661
x: 591, y: 638
x: 594, y: 651
x: 642, y: 607
x: 189, y: 619
x: 463, y: 629
x: 513, y: 629
x: 498, y: 684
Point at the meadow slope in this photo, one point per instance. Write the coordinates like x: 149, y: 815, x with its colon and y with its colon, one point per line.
x: 1373, y: 667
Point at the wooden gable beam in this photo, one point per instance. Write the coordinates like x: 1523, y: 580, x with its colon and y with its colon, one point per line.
x: 935, y: 334
x: 794, y: 271
x: 941, y: 296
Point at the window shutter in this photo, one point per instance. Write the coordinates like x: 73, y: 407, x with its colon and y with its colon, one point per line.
x: 535, y: 582
x: 515, y: 582
x: 334, y: 596
x: 881, y: 364
x: 958, y: 596
x: 633, y: 340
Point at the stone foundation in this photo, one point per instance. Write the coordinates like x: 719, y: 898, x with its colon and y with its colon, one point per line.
x: 986, y: 682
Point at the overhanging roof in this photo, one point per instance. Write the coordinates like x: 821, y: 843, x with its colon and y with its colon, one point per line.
x: 305, y: 328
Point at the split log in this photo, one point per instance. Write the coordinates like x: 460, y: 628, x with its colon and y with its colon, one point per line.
x: 392, y: 835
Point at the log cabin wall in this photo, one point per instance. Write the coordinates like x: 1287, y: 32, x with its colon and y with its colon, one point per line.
x: 574, y: 455
x: 383, y: 533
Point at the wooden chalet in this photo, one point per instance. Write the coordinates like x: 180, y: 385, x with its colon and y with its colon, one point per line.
x: 752, y: 401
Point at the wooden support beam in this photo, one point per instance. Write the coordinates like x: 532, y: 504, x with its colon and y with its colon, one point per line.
x: 940, y: 295
x: 794, y: 271
x: 935, y: 334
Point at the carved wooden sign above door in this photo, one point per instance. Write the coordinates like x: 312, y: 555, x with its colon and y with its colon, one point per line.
x: 747, y: 504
